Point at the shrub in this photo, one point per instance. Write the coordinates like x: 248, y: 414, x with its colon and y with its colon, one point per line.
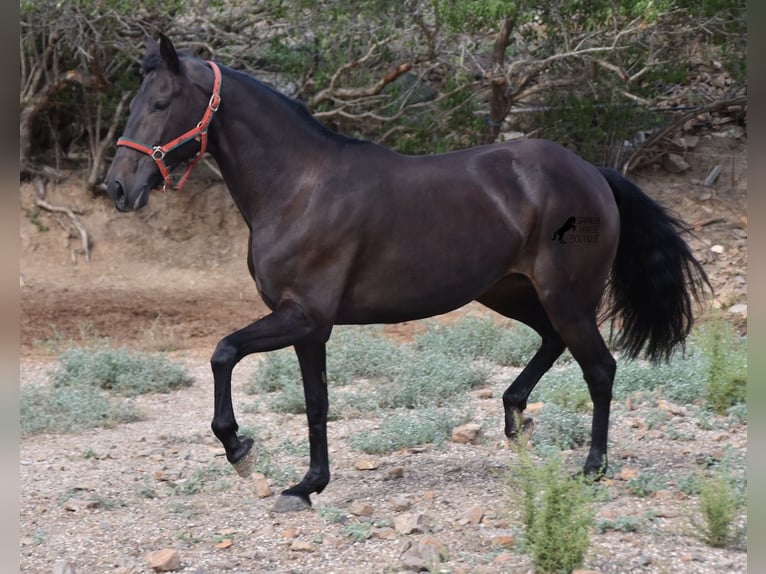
x: 725, y: 356
x: 557, y: 515
x: 119, y: 371
x: 719, y: 508
x: 70, y: 410
x: 407, y: 429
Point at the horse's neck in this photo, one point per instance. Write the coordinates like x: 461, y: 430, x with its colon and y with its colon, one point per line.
x: 262, y: 145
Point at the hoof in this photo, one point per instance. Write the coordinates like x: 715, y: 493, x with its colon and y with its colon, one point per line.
x: 289, y: 503
x: 527, y: 424
x: 245, y: 465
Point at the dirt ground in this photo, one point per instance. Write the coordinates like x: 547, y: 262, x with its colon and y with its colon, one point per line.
x: 174, y: 276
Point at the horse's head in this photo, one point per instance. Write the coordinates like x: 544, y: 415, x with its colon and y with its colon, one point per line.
x: 164, y: 126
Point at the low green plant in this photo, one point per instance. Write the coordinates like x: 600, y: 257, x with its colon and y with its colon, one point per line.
x: 557, y: 513
x: 725, y: 355
x: 407, y: 429
x: 118, y: 370
x: 71, y: 409
x: 719, y: 507
x: 558, y: 428
x: 645, y: 484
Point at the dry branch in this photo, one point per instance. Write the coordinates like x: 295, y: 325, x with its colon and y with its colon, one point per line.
x: 69, y: 212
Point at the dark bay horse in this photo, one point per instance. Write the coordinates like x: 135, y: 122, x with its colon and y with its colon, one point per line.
x: 344, y: 231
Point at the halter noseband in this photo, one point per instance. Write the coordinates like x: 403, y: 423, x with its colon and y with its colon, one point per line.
x: 199, y: 133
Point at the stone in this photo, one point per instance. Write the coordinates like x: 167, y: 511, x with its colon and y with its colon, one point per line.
x: 738, y: 309
x: 466, y: 434
x: 533, y: 408
x: 504, y: 541
x: 401, y: 503
x: 287, y: 503
x: 302, y: 546
x: 63, y: 567
x: 394, y: 473
x: 484, y: 394
x: 261, y: 487
x: 77, y: 504
x: 383, y: 532
x: 669, y: 407
x: 674, y: 163
x: 165, y: 560
x: 367, y: 463
x: 717, y: 249
x: 410, y: 523
x: 360, y: 509
x: 425, y: 554
x: 473, y: 515
x: 626, y: 474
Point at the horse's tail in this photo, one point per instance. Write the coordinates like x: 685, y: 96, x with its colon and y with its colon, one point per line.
x: 655, y: 278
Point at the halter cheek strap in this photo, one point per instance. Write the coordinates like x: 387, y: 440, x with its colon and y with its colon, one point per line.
x: 198, y: 133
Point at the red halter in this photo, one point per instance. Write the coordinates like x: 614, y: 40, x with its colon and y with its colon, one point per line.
x: 198, y: 133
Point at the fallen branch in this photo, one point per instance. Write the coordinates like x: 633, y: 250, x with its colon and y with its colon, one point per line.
x: 43, y: 204
x: 678, y: 122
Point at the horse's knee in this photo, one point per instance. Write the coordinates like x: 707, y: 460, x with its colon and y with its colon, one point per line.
x: 225, y: 355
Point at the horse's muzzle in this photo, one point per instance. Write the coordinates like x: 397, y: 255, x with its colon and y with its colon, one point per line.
x: 122, y: 200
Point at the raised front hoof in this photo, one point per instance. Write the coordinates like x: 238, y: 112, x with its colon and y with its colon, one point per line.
x: 291, y: 503
x: 245, y: 463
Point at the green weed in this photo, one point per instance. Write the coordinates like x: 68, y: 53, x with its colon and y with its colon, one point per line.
x: 119, y: 371
x: 719, y: 509
x: 557, y: 514
x: 725, y: 353
x: 407, y: 429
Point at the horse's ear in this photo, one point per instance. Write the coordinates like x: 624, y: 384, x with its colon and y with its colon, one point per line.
x: 169, y: 55
x: 151, y: 46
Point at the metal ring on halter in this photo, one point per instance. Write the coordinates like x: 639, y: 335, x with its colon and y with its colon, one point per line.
x: 158, y: 153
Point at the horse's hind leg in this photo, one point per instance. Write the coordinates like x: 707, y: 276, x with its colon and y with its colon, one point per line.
x: 516, y: 298
x: 579, y: 331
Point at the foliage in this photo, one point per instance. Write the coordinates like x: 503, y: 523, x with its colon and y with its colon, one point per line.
x: 70, y: 410
x: 556, y: 512
x: 407, y: 429
x: 420, y: 76
x: 119, y: 370
x: 719, y: 508
x: 726, y: 366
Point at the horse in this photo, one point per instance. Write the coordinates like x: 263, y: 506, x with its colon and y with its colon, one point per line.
x: 345, y: 231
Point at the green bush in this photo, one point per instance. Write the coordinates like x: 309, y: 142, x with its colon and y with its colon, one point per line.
x: 119, y: 371
x: 70, y: 409
x: 557, y: 514
x: 719, y: 508
x: 408, y: 429
x: 725, y: 354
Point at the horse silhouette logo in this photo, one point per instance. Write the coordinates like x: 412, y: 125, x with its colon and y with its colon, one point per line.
x: 559, y: 233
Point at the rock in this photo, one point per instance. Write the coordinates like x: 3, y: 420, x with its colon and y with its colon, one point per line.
x: 626, y: 474
x: 360, y: 509
x: 367, y: 463
x: 76, y: 504
x: 410, y: 523
x: 465, y: 434
x: 738, y: 309
x: 394, y: 473
x: 473, y: 515
x: 425, y: 554
x: 484, y: 394
x: 384, y: 533
x: 534, y: 408
x: 669, y: 407
x: 674, y: 163
x: 164, y: 560
x: 302, y: 546
x: 504, y: 541
x: 63, y: 567
x: 401, y: 503
x: 717, y: 249
x: 261, y: 486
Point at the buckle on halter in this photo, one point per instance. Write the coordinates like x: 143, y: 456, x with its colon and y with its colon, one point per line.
x: 215, y: 101
x: 158, y: 153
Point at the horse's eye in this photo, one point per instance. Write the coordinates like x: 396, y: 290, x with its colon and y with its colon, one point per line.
x: 160, y: 105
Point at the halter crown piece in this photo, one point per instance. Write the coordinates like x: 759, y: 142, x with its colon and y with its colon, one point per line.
x: 198, y: 133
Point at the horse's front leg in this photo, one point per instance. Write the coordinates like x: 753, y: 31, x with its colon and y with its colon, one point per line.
x: 286, y: 326
x: 312, y: 359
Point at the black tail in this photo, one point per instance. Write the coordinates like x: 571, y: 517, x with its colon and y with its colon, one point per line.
x: 655, y: 278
